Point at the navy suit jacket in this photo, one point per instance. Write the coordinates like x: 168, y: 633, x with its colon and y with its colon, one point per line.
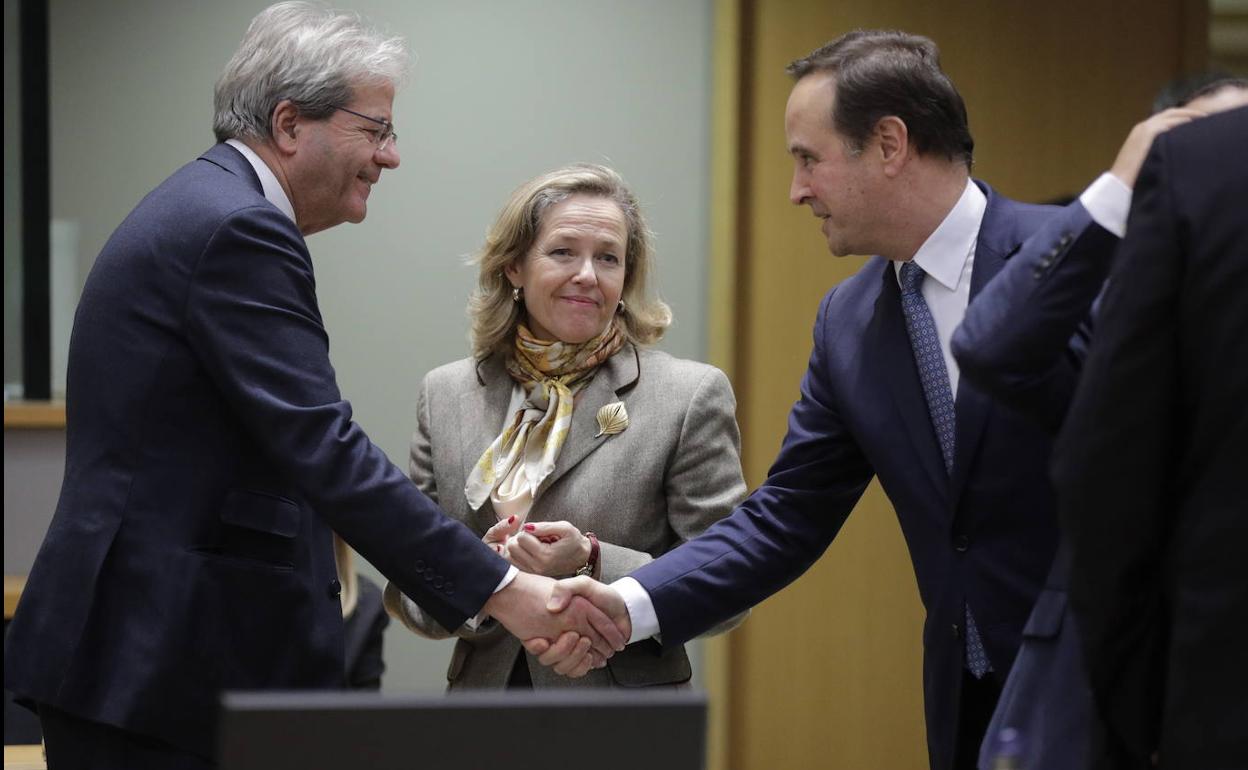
x: 983, y: 536
x: 1023, y: 340
x: 209, y: 454
x: 1152, y: 458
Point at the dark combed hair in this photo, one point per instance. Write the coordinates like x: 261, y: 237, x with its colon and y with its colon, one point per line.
x: 1180, y: 91
x: 887, y: 72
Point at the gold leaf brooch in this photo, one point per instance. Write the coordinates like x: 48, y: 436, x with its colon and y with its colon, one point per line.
x: 612, y: 419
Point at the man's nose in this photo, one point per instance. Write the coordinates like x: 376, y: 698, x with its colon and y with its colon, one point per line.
x: 389, y: 156
x: 798, y: 190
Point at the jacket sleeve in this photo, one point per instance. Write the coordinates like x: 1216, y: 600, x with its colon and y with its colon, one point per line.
x: 253, y: 320
x: 781, y: 529
x: 420, y: 468
x: 1026, y: 333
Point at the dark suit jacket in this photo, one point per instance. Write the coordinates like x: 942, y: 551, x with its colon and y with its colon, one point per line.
x: 1151, y: 462
x: 1023, y: 340
x: 983, y: 537
x: 209, y: 453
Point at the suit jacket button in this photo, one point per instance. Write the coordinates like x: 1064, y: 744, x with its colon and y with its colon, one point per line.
x: 437, y: 582
x: 961, y: 543
x: 449, y: 588
x: 956, y: 631
x: 420, y: 565
x: 335, y: 589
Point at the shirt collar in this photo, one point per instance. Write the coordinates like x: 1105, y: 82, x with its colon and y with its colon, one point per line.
x: 272, y: 188
x: 943, y: 255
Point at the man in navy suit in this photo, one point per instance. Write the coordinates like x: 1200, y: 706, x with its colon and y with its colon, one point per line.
x: 882, y: 152
x: 1024, y: 340
x: 1150, y: 464
x: 210, y: 456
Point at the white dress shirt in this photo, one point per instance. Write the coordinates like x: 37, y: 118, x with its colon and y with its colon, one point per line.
x: 947, y: 257
x: 1108, y: 200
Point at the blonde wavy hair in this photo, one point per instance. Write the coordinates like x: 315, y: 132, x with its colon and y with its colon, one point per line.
x: 493, y: 312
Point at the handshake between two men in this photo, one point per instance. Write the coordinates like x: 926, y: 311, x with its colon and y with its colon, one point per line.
x: 571, y: 625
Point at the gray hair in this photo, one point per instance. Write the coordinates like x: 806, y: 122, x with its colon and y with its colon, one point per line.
x: 310, y: 54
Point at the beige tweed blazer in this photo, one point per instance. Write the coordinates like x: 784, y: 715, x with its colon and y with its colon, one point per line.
x: 673, y: 472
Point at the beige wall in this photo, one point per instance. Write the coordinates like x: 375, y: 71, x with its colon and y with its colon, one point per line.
x: 827, y: 674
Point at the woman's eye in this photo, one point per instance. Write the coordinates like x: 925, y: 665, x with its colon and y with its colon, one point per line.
x: 609, y: 258
x: 560, y: 251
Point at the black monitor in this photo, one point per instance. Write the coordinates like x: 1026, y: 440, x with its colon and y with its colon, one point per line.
x: 497, y: 730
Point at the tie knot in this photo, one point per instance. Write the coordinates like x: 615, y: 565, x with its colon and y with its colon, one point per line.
x: 911, y: 278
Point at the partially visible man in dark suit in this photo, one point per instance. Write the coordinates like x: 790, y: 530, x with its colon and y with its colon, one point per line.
x: 882, y: 153
x: 209, y: 452
x: 1024, y: 339
x: 1151, y: 463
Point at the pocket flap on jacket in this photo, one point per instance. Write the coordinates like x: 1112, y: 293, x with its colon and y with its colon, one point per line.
x: 645, y: 664
x: 1046, y: 616
x: 261, y: 512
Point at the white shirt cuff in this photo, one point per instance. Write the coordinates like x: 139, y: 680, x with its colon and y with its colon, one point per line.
x: 474, y: 623
x: 507, y: 578
x: 1108, y: 200
x: 640, y: 609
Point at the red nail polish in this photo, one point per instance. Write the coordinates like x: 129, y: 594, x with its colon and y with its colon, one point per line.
x: 511, y: 519
x: 529, y: 527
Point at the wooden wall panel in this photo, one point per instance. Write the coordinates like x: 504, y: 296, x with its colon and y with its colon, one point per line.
x: 827, y: 674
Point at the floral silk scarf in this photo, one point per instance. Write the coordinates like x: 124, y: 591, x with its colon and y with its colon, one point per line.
x: 551, y: 373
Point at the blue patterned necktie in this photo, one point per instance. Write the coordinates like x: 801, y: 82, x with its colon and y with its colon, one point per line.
x: 934, y: 377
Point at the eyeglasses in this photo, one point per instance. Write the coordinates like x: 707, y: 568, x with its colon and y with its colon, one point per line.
x: 382, y: 137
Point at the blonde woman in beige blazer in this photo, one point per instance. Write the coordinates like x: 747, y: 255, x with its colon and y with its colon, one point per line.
x: 564, y: 440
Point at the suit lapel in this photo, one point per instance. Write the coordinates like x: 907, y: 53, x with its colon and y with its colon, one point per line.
x: 617, y: 375
x: 996, y: 241
x: 482, y: 410
x: 889, y: 342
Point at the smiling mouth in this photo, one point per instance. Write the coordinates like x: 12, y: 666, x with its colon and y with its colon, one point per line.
x: 581, y: 301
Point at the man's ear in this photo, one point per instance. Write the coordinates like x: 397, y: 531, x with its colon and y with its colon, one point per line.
x: 285, y: 127
x: 893, y: 143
